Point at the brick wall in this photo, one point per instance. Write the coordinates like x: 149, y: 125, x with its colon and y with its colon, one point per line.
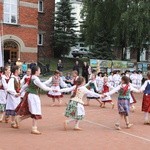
x: 28, y: 57
x: 30, y: 1
x: 26, y: 29
x: 45, y: 25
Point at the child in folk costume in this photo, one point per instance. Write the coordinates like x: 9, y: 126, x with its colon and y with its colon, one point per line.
x: 13, y: 96
x: 75, y: 76
x: 110, y: 79
x: 99, y: 81
x: 124, y: 90
x: 116, y: 78
x: 25, y: 80
x: 68, y: 78
x: 106, y: 88
x: 139, y: 79
x: 146, y: 99
x: 133, y: 78
x: 127, y: 73
x: 55, y: 82
x: 31, y: 103
x: 92, y: 86
x: 93, y: 73
x: 132, y: 99
x: 75, y: 109
x: 4, y: 78
x: 122, y: 74
x: 105, y: 74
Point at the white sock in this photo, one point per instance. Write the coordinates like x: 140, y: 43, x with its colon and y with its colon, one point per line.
x: 77, y: 124
x: 1, y: 116
x: 34, y: 128
x: 70, y: 120
x: 146, y: 116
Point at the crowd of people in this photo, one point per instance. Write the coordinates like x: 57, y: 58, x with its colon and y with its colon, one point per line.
x: 19, y: 98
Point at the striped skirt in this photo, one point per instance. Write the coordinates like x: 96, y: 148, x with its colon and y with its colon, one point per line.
x: 124, y: 106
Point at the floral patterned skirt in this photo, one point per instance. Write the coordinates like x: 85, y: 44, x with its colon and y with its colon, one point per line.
x: 2, y: 107
x: 73, y: 109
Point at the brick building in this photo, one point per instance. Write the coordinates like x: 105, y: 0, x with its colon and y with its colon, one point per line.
x: 24, y: 27
x: 46, y: 28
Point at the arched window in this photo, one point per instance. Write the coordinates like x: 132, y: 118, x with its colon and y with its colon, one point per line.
x: 10, y: 10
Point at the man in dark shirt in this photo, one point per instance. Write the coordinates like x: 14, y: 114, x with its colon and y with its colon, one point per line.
x: 60, y: 66
x: 76, y: 67
x: 32, y: 64
x: 85, y: 73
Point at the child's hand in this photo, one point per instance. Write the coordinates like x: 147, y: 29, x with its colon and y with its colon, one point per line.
x: 17, y: 95
x: 103, y: 96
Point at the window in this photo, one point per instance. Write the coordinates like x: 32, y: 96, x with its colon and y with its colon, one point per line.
x: 10, y: 9
x: 40, y: 6
x: 40, y: 39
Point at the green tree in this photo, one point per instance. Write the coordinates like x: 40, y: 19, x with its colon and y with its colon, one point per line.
x: 121, y: 23
x: 133, y: 27
x: 64, y: 28
x: 101, y: 17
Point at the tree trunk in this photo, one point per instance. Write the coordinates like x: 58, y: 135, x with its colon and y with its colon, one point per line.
x: 138, y: 55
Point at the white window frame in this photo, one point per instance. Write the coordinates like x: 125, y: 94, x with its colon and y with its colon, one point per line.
x: 41, y: 2
x: 42, y: 39
x: 10, y: 12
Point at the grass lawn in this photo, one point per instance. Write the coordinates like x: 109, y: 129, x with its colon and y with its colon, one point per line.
x: 67, y: 62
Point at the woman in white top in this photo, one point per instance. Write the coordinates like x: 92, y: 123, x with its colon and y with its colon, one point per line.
x: 75, y: 109
x: 25, y: 80
x: 116, y: 78
x: 31, y: 105
x: 139, y: 79
x: 110, y: 79
x: 92, y: 86
x: 55, y: 82
x: 13, y: 96
x: 99, y: 81
x: 133, y: 78
x: 4, y: 78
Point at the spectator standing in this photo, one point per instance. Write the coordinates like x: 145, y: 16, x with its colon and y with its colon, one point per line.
x: 10, y: 63
x: 60, y: 66
x: 85, y: 72
x: 76, y: 67
x: 32, y: 64
x: 24, y: 68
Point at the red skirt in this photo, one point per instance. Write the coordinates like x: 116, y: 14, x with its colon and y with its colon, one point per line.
x: 54, y: 96
x: 107, y: 101
x: 146, y: 103
x: 23, y: 108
